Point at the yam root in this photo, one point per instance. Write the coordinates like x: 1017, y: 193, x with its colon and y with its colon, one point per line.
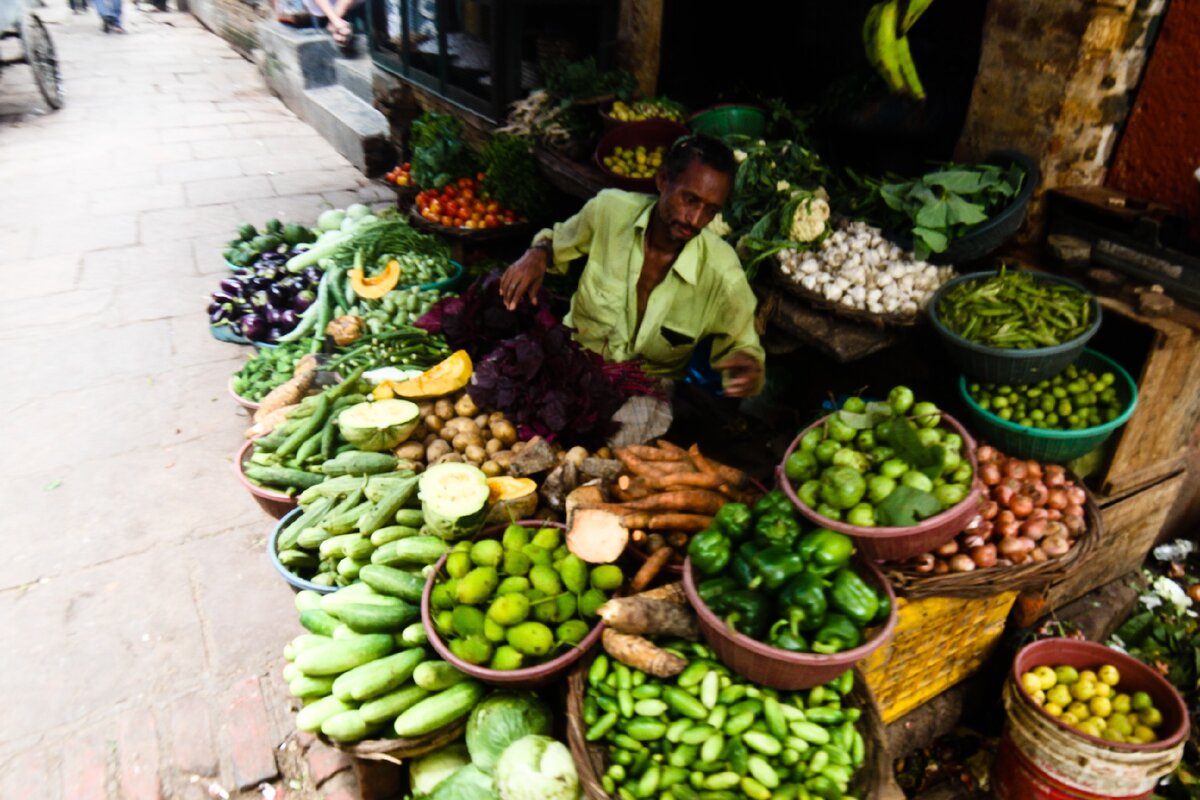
x: 649, y: 571
x: 587, y: 495
x: 695, y: 501
x: 730, y: 475
x: 597, y: 536
x: 647, y: 617
x: 666, y: 522
x: 668, y: 593
x: 640, y: 653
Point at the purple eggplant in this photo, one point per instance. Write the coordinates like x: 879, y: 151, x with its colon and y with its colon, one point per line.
x: 268, y: 273
x: 231, y: 285
x: 220, y: 313
x: 259, y: 299
x: 312, y: 274
x: 253, y: 327
x: 303, y: 300
x: 220, y: 296
x: 273, y: 335
x: 243, y: 310
x: 273, y: 314
x: 288, y: 319
x: 279, y: 296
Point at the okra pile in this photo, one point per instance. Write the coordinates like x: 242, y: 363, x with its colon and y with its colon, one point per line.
x: 709, y: 734
x: 394, y: 347
x: 1016, y: 310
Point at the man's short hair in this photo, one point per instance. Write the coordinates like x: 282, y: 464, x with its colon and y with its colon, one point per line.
x: 708, y: 150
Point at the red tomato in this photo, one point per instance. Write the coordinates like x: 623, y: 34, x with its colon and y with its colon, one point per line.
x: 509, y: 216
x: 447, y: 221
x: 481, y: 176
x: 490, y: 220
x: 468, y: 194
x: 406, y: 166
x: 493, y: 207
x: 450, y: 190
x: 463, y: 214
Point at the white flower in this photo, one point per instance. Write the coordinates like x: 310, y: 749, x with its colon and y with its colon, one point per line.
x: 1177, y: 550
x: 783, y: 186
x: 809, y: 220
x: 719, y: 226
x: 739, y: 156
x: 1151, y: 601
x: 1169, y: 590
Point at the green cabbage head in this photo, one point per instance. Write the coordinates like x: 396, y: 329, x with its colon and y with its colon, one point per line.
x: 500, y: 720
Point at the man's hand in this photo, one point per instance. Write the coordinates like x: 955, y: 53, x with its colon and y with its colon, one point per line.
x: 341, y: 30
x: 743, y: 374
x: 524, y: 278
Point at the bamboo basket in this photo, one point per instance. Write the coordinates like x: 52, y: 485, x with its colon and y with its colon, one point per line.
x: 872, y: 780
x: 983, y: 583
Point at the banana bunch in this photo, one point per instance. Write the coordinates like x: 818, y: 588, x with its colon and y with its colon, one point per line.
x: 885, y: 39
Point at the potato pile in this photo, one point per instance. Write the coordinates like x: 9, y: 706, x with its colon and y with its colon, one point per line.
x: 454, y: 429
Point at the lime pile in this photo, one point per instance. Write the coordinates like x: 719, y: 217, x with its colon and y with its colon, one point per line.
x: 1090, y: 702
x: 635, y: 162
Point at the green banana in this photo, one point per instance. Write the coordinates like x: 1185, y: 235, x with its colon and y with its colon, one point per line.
x: 868, y: 34
x: 885, y: 48
x: 908, y: 70
x: 913, y: 10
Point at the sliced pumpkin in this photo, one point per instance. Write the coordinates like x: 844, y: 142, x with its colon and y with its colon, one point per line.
x: 375, y: 286
x: 439, y: 380
x: 511, y: 499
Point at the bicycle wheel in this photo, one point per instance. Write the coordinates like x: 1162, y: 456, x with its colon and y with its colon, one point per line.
x: 39, y: 54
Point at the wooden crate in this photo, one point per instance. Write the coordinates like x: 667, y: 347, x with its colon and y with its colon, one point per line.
x: 1131, y: 526
x: 1153, y: 444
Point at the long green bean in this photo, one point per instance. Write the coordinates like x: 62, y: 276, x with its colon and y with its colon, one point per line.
x: 1016, y: 310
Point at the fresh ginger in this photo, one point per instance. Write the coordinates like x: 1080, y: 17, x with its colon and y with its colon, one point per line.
x: 650, y: 617
x: 642, y: 654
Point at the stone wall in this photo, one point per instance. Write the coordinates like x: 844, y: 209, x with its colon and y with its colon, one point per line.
x: 235, y: 21
x: 1056, y: 79
x: 1160, y: 147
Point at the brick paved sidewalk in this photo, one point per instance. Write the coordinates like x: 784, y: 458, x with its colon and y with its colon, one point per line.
x: 142, y: 623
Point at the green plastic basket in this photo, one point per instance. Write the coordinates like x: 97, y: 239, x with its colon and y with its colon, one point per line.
x: 729, y: 120
x: 1044, y: 444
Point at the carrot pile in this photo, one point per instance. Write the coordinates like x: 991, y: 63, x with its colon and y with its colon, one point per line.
x: 666, y: 493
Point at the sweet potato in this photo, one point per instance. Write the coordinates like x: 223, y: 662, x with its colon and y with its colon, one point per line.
x: 665, y: 522
x: 730, y: 475
x: 642, y: 654
x: 597, y: 536
x: 649, y: 571
x: 670, y: 447
x: 688, y: 501
x: 648, y: 453
x: 693, y: 480
x: 648, y: 617
x: 636, y: 466
x: 628, y: 488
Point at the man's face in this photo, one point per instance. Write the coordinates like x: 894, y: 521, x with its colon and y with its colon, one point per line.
x: 688, y: 203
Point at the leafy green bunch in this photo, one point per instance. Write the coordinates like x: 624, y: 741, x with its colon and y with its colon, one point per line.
x: 439, y: 155
x: 513, y: 177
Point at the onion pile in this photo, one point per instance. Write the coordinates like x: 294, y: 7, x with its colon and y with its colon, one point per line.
x: 1032, y: 512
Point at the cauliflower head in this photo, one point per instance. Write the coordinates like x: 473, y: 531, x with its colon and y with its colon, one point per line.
x: 809, y: 219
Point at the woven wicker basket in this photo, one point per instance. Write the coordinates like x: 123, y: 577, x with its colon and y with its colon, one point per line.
x: 514, y: 230
x: 1033, y: 576
x: 818, y: 301
x: 591, y: 760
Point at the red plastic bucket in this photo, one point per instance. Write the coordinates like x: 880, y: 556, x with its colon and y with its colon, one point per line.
x: 1043, y: 758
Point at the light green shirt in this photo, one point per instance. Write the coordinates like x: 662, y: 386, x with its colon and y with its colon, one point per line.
x: 705, y: 293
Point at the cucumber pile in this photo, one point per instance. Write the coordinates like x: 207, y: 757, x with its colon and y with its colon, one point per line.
x: 363, y: 669
x: 352, y: 523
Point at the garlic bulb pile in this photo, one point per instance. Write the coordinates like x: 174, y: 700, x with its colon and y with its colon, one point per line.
x: 857, y: 267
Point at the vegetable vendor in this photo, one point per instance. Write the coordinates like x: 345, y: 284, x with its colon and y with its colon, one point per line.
x: 657, y: 281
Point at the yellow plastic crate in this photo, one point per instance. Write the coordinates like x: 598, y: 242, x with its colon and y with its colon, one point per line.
x: 939, y: 641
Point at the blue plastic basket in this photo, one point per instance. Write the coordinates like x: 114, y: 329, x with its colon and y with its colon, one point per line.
x: 297, y: 583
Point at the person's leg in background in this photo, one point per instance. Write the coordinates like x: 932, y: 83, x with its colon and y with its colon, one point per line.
x: 110, y: 15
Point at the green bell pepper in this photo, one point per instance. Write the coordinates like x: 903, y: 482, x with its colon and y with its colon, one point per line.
x: 710, y: 551
x: 748, y: 612
x: 885, y: 607
x: 804, y: 599
x: 713, y: 591
x: 777, y: 528
x: 740, y: 566
x: 825, y: 551
x: 774, y: 500
x: 774, y: 566
x: 733, y: 520
x: 837, y: 634
x: 853, y: 597
x: 783, y: 637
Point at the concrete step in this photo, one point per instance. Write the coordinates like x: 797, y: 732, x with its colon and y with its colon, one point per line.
x: 354, y: 127
x: 355, y: 74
